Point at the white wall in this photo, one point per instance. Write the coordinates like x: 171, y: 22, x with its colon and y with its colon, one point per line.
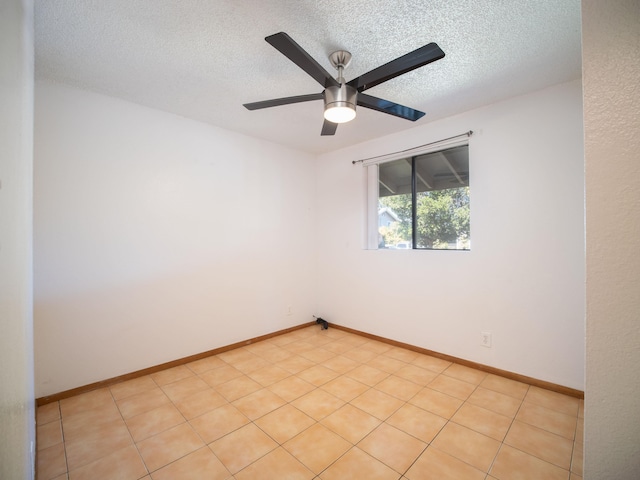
x: 523, y: 280
x: 157, y: 237
x: 611, y: 69
x: 17, y: 415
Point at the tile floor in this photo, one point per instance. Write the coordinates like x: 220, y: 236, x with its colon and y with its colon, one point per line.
x: 313, y: 404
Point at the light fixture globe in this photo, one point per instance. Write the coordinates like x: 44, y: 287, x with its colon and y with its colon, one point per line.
x: 340, y: 103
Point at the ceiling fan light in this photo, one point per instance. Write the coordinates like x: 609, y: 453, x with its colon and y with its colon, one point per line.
x: 340, y: 103
x: 339, y: 114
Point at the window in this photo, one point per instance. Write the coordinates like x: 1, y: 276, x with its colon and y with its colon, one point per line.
x: 422, y: 201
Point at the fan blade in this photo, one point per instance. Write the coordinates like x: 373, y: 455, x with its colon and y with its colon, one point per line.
x: 294, y: 52
x: 385, y: 106
x: 329, y: 128
x: 283, y: 101
x: 401, y: 65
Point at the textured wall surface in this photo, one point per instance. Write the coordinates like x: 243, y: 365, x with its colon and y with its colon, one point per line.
x: 611, y: 69
x: 17, y: 434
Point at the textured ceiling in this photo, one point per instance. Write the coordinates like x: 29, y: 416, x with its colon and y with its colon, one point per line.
x: 203, y: 59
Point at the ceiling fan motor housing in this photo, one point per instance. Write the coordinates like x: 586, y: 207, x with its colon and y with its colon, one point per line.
x: 343, y: 96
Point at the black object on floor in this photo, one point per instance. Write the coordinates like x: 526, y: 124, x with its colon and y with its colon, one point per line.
x: 324, y: 325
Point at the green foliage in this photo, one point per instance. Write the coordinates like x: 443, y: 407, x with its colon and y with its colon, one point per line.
x: 442, y: 218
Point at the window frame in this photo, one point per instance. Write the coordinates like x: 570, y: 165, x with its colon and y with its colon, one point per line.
x: 372, y: 184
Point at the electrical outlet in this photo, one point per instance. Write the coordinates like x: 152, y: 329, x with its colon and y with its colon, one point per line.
x: 485, y: 339
x: 289, y: 312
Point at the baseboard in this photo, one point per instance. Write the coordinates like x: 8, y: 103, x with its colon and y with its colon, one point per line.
x: 163, y: 366
x: 554, y: 387
x: 182, y: 361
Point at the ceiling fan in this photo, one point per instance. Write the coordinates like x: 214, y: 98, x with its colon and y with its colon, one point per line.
x: 340, y: 97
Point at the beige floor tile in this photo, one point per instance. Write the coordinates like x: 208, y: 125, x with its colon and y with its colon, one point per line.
x: 298, y: 347
x: 345, y: 388
x: 386, y: 364
x: 317, y: 447
x: 550, y: 420
x: 171, y: 375
x: 49, y: 434
x: 275, y: 354
x: 295, y: 364
x: 318, y: 404
x: 402, y: 354
x: 452, y: 386
x: 184, y: 388
x: 220, y: 375
x: 392, y: 447
x: 318, y: 375
x: 398, y: 387
x: 237, y: 355
x: 242, y: 447
x: 269, y: 375
x: 142, y: 402
x: 259, y: 347
x: 317, y: 355
x: 51, y: 462
x: 338, y: 347
x: 205, y: 364
x: 553, y: 401
x: 132, y: 387
x: 80, y: 423
x: 340, y: 364
x: 540, y: 443
x: 124, y: 464
x: 513, y: 464
x: 495, y: 401
x: 377, y: 403
x: 577, y: 459
x: 251, y: 364
x: 431, y: 363
x: 218, y: 422
x: 201, y: 464
x: 434, y: 464
x: 284, y: 423
x: 351, y: 423
x: 90, y: 401
x: 467, y: 445
x: 96, y: 441
x: 436, y: 402
x: 483, y: 421
x: 417, y: 422
x: 237, y: 388
x: 376, y: 346
x: 506, y: 386
x: 579, y: 438
x: 358, y: 464
x: 418, y: 375
x: 291, y: 388
x: 360, y: 354
x: 169, y: 446
x: 48, y: 413
x: 288, y: 395
x: 466, y: 374
x: 367, y: 375
x: 154, y: 421
x: 278, y: 464
x: 259, y: 403
x: 200, y: 403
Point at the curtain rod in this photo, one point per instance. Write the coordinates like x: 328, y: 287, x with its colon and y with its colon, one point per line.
x: 465, y: 134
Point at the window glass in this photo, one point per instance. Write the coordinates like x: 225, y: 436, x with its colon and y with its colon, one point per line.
x: 423, y: 201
